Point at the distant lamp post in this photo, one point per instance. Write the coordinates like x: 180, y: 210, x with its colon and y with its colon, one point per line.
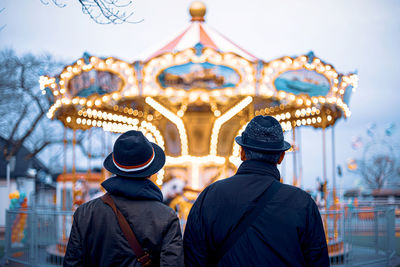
x: 31, y: 172
x: 10, y: 168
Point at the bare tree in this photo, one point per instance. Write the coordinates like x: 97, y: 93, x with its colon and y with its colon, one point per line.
x: 83, y: 148
x: 377, y: 163
x: 377, y: 170
x: 103, y: 11
x: 23, y: 108
x: 22, y: 105
x: 2, y: 26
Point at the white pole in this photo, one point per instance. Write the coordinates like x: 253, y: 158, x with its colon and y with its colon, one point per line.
x: 300, y: 159
x: 295, y: 182
x: 333, y: 165
x: 325, y: 179
x: 8, y: 174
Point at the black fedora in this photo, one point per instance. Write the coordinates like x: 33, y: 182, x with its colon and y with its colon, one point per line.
x: 134, y: 156
x: 263, y: 134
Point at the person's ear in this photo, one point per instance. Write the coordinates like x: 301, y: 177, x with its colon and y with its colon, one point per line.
x: 281, y: 157
x: 242, y: 154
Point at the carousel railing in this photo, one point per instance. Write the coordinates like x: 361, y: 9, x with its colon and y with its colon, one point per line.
x: 36, y: 237
x: 356, y: 237
x: 360, y: 237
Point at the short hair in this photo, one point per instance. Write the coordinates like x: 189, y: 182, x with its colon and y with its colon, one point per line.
x: 270, y: 157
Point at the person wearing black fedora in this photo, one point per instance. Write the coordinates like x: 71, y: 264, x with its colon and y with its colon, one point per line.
x: 129, y: 225
x: 251, y: 219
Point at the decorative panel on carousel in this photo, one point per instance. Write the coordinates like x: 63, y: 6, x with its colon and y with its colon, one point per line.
x: 307, y: 91
x: 196, y: 71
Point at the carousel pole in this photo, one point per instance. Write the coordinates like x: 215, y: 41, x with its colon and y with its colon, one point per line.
x: 103, y: 149
x: 73, y: 166
x: 325, y: 183
x: 335, y: 200
x: 226, y: 167
x: 110, y: 147
x: 89, y: 154
x: 283, y: 170
x: 324, y: 165
x: 300, y: 179
x: 64, y: 189
x: 110, y: 142
x: 295, y: 182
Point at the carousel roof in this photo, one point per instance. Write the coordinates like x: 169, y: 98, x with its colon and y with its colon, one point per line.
x: 194, y: 94
x: 197, y: 92
x: 198, y: 34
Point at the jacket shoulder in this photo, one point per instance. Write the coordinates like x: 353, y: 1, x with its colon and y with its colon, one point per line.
x: 295, y: 196
x: 90, y: 205
x: 162, y: 208
x: 153, y: 207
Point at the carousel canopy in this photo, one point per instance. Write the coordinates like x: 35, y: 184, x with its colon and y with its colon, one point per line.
x: 196, y: 93
x: 198, y: 33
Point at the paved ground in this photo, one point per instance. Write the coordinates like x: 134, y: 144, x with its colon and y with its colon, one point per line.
x: 394, y: 263
x: 361, y: 253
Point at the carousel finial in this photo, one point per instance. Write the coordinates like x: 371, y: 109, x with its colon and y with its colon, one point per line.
x: 197, y: 11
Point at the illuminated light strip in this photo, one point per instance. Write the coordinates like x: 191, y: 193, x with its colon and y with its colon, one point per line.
x: 46, y: 81
x: 163, y: 61
x: 278, y: 66
x: 122, y: 124
x: 173, y: 118
x: 148, y: 126
x: 235, y: 160
x: 224, y: 118
x: 145, y: 129
x: 53, y: 109
x: 193, y: 159
x: 337, y: 90
x: 119, y: 68
x: 235, y: 149
x: 195, y: 164
x: 160, y: 177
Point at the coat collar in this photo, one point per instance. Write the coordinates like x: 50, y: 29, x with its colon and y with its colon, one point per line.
x: 259, y: 167
x: 141, y: 189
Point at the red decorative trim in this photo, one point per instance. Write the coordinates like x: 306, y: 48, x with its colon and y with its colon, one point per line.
x: 134, y: 166
x: 205, y: 39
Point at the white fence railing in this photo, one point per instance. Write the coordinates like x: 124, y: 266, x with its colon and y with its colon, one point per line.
x: 356, y: 237
x: 360, y: 237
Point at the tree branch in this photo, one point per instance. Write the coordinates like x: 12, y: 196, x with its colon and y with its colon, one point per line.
x: 18, y: 144
x: 37, y: 150
x: 15, y: 128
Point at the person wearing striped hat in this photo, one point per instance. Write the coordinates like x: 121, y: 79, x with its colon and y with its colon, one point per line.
x: 129, y: 225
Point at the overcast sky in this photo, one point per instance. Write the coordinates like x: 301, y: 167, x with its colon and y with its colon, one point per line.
x: 362, y: 35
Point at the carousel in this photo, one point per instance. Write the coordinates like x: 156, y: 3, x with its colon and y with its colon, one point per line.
x: 194, y: 95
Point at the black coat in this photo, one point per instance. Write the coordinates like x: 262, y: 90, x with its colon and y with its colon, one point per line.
x: 288, y: 232
x: 97, y: 240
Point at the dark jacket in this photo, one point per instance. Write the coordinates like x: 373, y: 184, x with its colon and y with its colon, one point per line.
x: 97, y: 240
x: 288, y: 232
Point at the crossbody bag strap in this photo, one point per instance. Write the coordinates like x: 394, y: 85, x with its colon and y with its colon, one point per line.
x: 142, y: 256
x: 248, y: 220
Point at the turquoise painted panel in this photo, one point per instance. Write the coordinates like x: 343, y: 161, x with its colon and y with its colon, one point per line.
x: 94, y: 82
x: 199, y: 75
x: 347, y: 94
x: 302, y: 82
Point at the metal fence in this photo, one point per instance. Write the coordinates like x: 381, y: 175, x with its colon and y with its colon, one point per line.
x: 37, y: 237
x: 362, y: 237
